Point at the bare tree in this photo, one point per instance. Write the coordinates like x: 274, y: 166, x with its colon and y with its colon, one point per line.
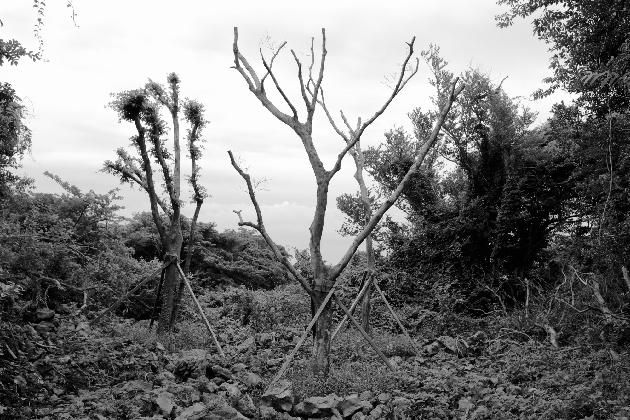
x: 142, y: 108
x: 353, y: 136
x: 312, y: 94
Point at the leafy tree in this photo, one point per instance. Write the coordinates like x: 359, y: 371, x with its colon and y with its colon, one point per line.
x: 493, y: 213
x: 219, y: 258
x: 142, y: 108
x: 59, y: 245
x: 12, y: 51
x: 15, y: 136
x: 589, y: 41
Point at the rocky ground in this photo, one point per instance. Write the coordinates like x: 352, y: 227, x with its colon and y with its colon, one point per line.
x: 53, y: 365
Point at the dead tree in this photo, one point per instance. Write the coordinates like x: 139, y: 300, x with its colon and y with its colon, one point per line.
x: 311, y: 93
x: 142, y: 108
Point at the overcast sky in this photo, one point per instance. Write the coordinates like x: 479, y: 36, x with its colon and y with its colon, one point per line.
x: 118, y: 45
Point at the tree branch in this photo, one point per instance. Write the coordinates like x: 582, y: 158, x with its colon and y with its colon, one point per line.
x: 273, y: 57
x: 277, y: 85
x: 253, y: 82
x: 260, y: 227
x: 355, y: 134
x: 400, y: 84
x: 153, y: 197
x: 251, y: 79
x: 320, y: 77
x: 307, y: 102
x: 135, y: 176
x: 378, y: 215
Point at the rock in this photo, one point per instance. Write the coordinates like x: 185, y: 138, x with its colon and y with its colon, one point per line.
x: 249, y: 379
x: 239, y: 367
x: 318, y: 406
x: 164, y: 377
x: 275, y: 362
x: 44, y: 314
x: 218, y: 408
x: 210, y: 387
x: 305, y: 409
x: 195, y: 396
x: 431, y: 349
x: 249, y: 344
x: 218, y: 381
x: 401, y: 402
x: 366, y: 396
x: 165, y: 403
x: 136, y: 386
x: 245, y: 405
x: 44, y: 327
x: 396, y: 361
x: 64, y: 309
x: 231, y: 390
x: 481, y: 412
x: 216, y: 371
x: 194, y: 412
x: 279, y: 396
x: 366, y: 407
x: 377, y: 413
x: 350, y: 405
x: 384, y: 397
x: 83, y: 328
x: 465, y: 404
x: 358, y: 416
x: 265, y: 339
x: 194, y: 354
x: 336, y: 415
x: 453, y: 345
x: 268, y: 413
x: 224, y: 413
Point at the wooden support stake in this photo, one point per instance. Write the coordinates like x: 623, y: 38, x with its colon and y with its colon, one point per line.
x: 364, y: 334
x: 624, y: 272
x: 366, y: 285
x: 391, y: 310
x: 122, y: 299
x: 203, y: 315
x: 305, y: 334
x: 157, y: 299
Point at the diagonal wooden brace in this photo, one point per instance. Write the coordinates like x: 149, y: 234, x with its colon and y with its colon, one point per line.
x: 122, y: 299
x: 391, y: 310
x: 364, y: 334
x: 305, y: 334
x: 364, y: 289
x: 200, y: 309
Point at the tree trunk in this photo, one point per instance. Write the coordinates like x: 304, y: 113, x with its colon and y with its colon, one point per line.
x: 171, y: 278
x: 359, y: 162
x: 366, y: 306
x: 321, y: 282
x: 321, y: 339
x: 189, y: 252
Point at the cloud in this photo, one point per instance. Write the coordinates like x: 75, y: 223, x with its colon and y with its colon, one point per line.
x: 120, y: 44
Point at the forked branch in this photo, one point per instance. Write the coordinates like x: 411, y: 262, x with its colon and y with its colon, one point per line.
x: 260, y: 226
x: 354, y: 135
